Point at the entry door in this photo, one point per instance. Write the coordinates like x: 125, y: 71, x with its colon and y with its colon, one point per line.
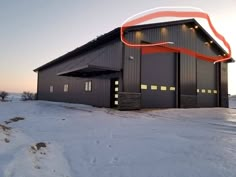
x: 158, y: 80
x: 114, y: 92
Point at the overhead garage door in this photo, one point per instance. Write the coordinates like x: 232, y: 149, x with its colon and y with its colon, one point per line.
x: 158, y: 80
x: 206, y: 84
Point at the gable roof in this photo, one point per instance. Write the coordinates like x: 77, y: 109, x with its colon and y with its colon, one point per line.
x: 116, y: 34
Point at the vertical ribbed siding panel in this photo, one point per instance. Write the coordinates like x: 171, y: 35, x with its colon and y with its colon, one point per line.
x: 188, y: 78
x: 207, y: 77
x: 224, y: 102
x: 109, y: 55
x: 131, y: 67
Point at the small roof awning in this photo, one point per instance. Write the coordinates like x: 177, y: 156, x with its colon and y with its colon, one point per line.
x: 88, y: 71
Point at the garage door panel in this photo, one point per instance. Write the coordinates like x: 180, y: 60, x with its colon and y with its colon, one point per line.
x: 158, y: 100
x: 207, y: 100
x: 158, y: 70
x: 206, y: 84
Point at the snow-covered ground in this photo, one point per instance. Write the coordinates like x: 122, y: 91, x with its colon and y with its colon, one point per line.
x: 14, y: 97
x: 232, y: 102
x: 45, y: 139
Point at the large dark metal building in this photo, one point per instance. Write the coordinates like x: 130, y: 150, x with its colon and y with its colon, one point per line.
x: 107, y: 73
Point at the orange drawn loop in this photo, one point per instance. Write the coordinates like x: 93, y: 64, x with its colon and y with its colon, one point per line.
x: 182, y: 50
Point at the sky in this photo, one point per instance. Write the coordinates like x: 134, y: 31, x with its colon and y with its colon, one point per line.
x: 34, y: 32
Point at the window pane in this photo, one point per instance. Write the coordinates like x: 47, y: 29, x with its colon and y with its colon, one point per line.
x: 153, y: 87
x: 143, y: 87
x: 90, y: 86
x: 172, y: 88
x: 163, y: 88
x: 51, y: 89
x: 66, y: 88
x: 86, y: 86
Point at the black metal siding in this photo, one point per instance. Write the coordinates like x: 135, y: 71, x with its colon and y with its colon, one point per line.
x: 116, y: 55
x: 182, y: 36
x: 224, y: 102
x: 188, y: 78
x: 131, y: 70
x: 206, y: 76
x: 109, y: 55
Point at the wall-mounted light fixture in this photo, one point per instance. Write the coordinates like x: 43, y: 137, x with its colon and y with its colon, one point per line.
x: 207, y: 43
x: 139, y: 35
x: 211, y: 42
x: 131, y: 57
x: 184, y: 27
x: 163, y: 30
x: 196, y: 27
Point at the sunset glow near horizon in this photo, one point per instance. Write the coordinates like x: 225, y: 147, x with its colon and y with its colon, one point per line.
x: 34, y: 33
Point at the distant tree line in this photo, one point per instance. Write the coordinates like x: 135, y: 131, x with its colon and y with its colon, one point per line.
x: 3, y: 95
x: 25, y: 96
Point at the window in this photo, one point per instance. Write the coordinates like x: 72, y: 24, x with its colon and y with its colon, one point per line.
x: 88, y: 86
x: 163, y: 88
x: 172, y: 88
x: 153, y: 87
x: 143, y: 87
x: 116, y: 82
x: 51, y: 89
x: 66, y: 88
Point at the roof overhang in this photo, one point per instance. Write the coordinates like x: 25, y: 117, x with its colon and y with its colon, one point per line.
x: 88, y: 71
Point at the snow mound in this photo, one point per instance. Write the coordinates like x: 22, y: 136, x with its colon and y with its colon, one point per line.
x: 47, y: 161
